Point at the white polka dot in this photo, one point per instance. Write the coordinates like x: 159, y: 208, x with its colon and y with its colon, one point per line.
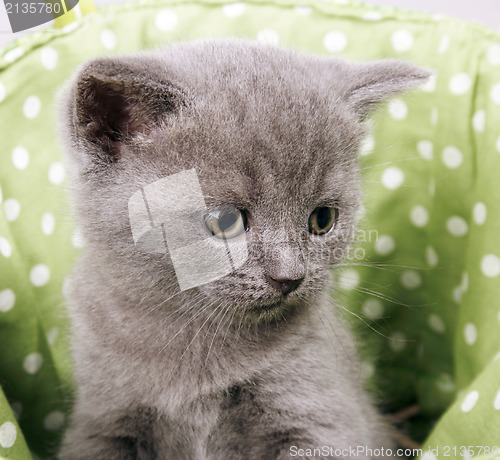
x: 457, y: 226
x: 57, y: 173
x: 1, y: 196
x: 14, y: 54
x: 398, y: 109
x: 233, y: 10
x: 444, y: 44
x: 434, y: 116
x: 425, y: 149
x: 457, y: 294
x: 49, y: 57
x: 372, y: 16
x: 52, y: 335
x: 445, y: 383
x: 436, y: 323
x: 469, y: 401
x: 20, y: 157
x: 479, y: 121
x: 7, y: 300
x: 410, y: 279
x: 5, y: 248
x: 498, y: 316
x: 465, y: 281
x: 70, y: 27
x: 373, y: 308
x: 392, y: 178
x: 479, y: 213
x: 432, y: 186
x: 2, y: 92
x: 470, y: 334
x: 39, y: 275
x: 303, y: 10
x: 367, y: 145
x: 31, y: 107
x: 166, y: 20
x: 77, y: 239
x: 419, y: 216
x: 428, y: 455
x: 349, y: 279
x: 493, y: 54
x: 361, y: 212
x: 402, y: 40
x: 54, y: 421
x: 12, y: 209
x: 430, y: 84
x: 384, y: 245
x: 108, y: 39
x: 431, y: 256
x: 367, y: 370
x: 48, y: 223
x: 495, y: 94
x: 452, y: 157
x: 498, y: 144
x: 490, y: 265
x: 496, y: 402
x: 269, y: 37
x: 496, y: 357
x: 397, y: 341
x: 8, y: 435
x: 460, y: 83
x: 335, y: 41
x: 66, y: 287
x: 32, y: 363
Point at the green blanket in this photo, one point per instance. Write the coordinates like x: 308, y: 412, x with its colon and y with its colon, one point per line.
x: 423, y: 281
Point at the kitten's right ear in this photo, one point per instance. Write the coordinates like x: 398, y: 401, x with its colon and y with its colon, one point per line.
x: 371, y: 83
x: 115, y: 99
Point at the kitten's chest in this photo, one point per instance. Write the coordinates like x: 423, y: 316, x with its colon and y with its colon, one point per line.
x: 185, y: 436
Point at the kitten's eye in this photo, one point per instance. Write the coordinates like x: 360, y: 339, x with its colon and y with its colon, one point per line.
x: 226, y: 222
x: 322, y: 220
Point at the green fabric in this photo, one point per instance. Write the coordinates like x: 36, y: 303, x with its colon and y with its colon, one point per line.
x: 427, y: 293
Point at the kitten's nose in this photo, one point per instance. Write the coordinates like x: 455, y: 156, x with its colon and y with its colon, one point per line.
x: 285, y: 285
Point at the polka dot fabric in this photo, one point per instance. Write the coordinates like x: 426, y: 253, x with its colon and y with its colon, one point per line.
x: 424, y: 277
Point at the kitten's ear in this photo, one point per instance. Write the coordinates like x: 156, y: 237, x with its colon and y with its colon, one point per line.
x: 372, y: 83
x: 115, y: 99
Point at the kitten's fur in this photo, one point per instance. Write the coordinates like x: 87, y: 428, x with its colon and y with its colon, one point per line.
x: 269, y: 130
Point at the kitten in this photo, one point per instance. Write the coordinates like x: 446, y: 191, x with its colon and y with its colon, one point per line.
x: 254, y: 363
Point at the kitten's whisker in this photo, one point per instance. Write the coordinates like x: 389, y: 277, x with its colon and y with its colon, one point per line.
x: 226, y: 309
x: 387, y: 163
x: 361, y: 319
x: 163, y: 302
x: 189, y: 321
x: 198, y: 332
x: 389, y: 299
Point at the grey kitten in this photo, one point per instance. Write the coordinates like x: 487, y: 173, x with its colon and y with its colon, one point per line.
x: 254, y: 364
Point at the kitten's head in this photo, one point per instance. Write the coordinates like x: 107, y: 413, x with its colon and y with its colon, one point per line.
x: 272, y: 137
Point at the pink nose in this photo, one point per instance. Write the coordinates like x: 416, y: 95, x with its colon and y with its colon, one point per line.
x: 284, y: 285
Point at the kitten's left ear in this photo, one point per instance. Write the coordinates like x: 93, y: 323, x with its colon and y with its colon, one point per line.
x: 114, y: 99
x: 369, y: 84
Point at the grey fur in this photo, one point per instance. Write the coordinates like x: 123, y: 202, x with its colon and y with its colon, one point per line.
x: 211, y: 373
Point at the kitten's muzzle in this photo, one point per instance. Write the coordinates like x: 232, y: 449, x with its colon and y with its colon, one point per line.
x: 285, y: 285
